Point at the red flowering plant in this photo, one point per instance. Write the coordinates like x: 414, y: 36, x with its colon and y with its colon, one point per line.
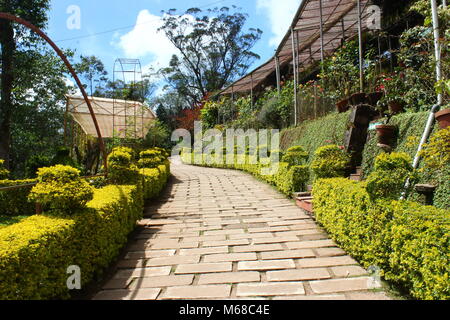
x: 393, y: 86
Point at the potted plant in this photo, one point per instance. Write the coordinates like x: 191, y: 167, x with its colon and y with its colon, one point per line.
x: 443, y: 116
x: 358, y: 98
x: 394, y: 90
x: 342, y: 105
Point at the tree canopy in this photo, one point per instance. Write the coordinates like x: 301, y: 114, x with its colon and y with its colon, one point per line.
x: 213, y: 50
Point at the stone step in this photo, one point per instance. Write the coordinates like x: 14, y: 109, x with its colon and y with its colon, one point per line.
x: 359, y: 170
x: 306, y: 204
x: 355, y: 177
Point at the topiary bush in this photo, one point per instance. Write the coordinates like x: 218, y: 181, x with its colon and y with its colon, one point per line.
x: 295, y: 156
x: 4, y: 173
x: 150, y: 158
x: 61, y: 189
x: 329, y: 162
x: 121, y: 170
x: 389, y: 176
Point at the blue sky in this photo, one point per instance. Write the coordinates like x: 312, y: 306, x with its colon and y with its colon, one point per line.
x: 132, y: 24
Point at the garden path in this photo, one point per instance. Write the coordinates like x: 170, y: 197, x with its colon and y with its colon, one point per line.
x: 222, y: 234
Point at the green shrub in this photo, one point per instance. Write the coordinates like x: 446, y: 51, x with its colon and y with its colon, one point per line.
x: 63, y: 157
x: 36, y: 252
x: 150, y: 158
x: 329, y: 162
x: 4, y: 173
x: 295, y: 156
x: 15, y: 202
x: 61, y: 188
x: 411, y: 126
x: 291, y: 178
x: 154, y: 180
x: 391, y: 172
x: 120, y: 168
x: 409, y: 242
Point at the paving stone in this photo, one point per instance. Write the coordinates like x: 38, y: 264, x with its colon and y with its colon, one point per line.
x: 203, y: 267
x: 326, y: 262
x: 123, y: 294
x: 342, y: 285
x: 162, y: 281
x: 287, y: 254
x: 202, y: 251
x: 266, y: 265
x: 230, y: 257
x: 310, y: 244
x: 270, y: 289
x: 197, y: 292
x: 155, y: 262
x: 330, y: 252
x: 229, y: 277
x: 348, y: 271
x: 258, y: 248
x: 142, y: 272
x: 226, y: 243
x: 298, y: 274
x: 149, y: 254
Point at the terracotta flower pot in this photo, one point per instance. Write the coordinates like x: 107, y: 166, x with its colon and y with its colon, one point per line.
x: 358, y: 98
x: 342, y: 106
x: 443, y: 117
x: 374, y: 97
x: 385, y: 134
x: 395, y: 107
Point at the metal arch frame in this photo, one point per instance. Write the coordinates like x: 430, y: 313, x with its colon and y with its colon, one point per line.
x: 137, y: 70
x: 13, y: 18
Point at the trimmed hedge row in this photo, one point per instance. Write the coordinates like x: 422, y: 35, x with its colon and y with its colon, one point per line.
x: 288, y: 179
x: 15, y: 202
x: 36, y: 252
x: 408, y: 241
x: 154, y: 179
x: 312, y: 134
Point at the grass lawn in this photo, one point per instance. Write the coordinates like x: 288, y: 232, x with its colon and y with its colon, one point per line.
x: 9, y: 220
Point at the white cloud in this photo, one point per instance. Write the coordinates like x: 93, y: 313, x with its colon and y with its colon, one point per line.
x: 145, y: 41
x: 280, y: 13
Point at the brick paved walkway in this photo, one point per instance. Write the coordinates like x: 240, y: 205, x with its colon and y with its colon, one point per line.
x: 221, y: 234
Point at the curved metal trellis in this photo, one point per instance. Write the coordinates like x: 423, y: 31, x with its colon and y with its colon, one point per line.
x: 39, y: 32
x: 129, y: 71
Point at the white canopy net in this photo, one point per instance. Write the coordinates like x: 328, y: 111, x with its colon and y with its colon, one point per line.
x: 116, y: 118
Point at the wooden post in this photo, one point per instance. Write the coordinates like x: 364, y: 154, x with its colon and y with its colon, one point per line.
x: 278, y: 73
x: 361, y: 71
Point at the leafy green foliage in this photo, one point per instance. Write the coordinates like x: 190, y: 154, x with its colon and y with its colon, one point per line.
x: 15, y: 202
x: 4, y: 173
x: 60, y: 188
x: 120, y: 166
x: 389, y: 177
x: 34, y: 163
x: 214, y: 51
x: 295, y: 156
x: 91, y: 238
x: 330, y: 161
x: 406, y: 240
x: 151, y: 158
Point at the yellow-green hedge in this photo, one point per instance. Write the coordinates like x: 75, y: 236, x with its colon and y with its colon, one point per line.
x: 154, y: 179
x: 14, y: 202
x: 408, y: 241
x: 36, y: 252
x: 287, y: 179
